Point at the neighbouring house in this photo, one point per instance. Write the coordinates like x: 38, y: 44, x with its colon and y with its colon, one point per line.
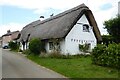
x: 9, y: 36
x: 64, y: 32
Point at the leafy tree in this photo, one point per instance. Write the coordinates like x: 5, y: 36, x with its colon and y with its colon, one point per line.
x: 113, y: 28
x: 107, y: 39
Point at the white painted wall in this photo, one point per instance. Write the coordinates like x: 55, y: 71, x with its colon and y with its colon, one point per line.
x: 76, y: 36
x: 62, y: 46
x: 47, y: 47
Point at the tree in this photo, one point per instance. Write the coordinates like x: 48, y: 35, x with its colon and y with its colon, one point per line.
x: 113, y: 28
x: 107, y: 39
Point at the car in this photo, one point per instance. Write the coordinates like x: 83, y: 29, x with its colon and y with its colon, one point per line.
x: 5, y: 47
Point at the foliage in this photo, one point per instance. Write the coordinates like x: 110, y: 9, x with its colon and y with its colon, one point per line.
x: 76, y: 67
x: 35, y: 46
x: 58, y: 55
x: 84, y: 48
x: 27, y: 52
x: 113, y: 28
x: 107, y: 56
x: 55, y: 54
x: 107, y: 39
x: 13, y: 45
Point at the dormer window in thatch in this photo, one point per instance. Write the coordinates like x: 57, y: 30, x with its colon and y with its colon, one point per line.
x: 86, y: 28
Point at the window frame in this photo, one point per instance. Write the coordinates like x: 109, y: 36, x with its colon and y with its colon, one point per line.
x: 86, y: 28
x: 51, y: 46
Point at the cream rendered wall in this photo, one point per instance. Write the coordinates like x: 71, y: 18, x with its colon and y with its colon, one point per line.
x: 76, y: 36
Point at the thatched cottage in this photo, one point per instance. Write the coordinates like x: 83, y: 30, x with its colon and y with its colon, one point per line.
x: 65, y: 31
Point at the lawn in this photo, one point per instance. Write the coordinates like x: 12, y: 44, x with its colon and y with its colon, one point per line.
x: 76, y: 67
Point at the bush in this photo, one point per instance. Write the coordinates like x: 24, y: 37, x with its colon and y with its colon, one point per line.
x: 106, y: 56
x: 35, y: 46
x: 27, y: 52
x: 55, y: 54
x: 13, y: 45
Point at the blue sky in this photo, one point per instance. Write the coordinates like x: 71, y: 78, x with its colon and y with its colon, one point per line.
x: 16, y: 14
x: 106, y: 6
x: 22, y: 15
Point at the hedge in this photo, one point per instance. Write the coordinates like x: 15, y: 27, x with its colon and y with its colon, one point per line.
x: 13, y: 45
x: 107, y: 55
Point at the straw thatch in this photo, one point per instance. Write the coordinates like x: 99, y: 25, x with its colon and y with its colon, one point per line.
x: 59, y: 26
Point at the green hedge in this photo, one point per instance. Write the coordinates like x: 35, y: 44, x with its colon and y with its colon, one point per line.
x: 107, y: 55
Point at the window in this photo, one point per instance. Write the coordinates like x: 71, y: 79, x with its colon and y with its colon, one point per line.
x: 51, y: 46
x: 58, y: 46
x: 89, y: 45
x: 85, y: 28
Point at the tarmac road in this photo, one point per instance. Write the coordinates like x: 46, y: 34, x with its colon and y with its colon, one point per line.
x: 17, y: 66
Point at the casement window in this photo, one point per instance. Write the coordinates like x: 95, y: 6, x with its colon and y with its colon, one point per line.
x: 51, y: 46
x: 86, y: 28
x: 89, y: 45
x: 58, y: 46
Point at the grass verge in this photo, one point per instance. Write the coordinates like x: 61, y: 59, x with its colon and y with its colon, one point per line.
x: 76, y: 67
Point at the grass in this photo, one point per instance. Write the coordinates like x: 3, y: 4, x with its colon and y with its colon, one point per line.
x: 76, y: 67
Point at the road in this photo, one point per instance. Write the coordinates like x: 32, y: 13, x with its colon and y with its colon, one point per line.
x: 17, y: 66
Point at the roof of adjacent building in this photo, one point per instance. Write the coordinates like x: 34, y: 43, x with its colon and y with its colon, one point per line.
x: 11, y: 33
x: 60, y: 25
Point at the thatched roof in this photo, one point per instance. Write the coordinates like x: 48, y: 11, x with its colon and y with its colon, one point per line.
x: 10, y: 33
x: 59, y: 26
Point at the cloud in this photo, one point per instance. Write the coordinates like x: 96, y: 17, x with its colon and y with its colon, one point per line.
x: 42, y: 4
x: 102, y: 9
x: 11, y: 27
x: 102, y: 15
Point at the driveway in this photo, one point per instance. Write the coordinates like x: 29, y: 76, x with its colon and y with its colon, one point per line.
x: 17, y: 66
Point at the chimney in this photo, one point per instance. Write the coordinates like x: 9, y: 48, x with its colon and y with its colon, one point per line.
x: 51, y: 15
x: 8, y: 31
x: 41, y: 18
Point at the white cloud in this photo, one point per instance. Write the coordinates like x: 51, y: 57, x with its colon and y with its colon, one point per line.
x: 11, y: 27
x: 42, y: 6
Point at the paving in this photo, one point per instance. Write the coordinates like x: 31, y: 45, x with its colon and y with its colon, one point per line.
x: 18, y: 66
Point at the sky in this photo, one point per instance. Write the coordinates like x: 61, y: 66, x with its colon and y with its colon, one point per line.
x: 15, y: 14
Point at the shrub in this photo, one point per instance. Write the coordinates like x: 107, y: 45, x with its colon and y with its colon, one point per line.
x: 35, y: 46
x: 106, y: 56
x: 55, y: 54
x: 13, y: 45
x: 27, y: 52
